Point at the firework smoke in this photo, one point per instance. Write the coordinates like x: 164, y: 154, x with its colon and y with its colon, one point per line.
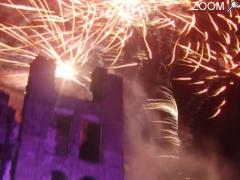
x: 151, y: 132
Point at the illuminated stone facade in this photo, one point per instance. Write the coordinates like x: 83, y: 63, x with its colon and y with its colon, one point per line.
x: 67, y: 138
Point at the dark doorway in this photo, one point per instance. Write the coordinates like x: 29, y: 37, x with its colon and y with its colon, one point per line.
x: 63, y: 125
x: 58, y: 175
x: 90, y: 142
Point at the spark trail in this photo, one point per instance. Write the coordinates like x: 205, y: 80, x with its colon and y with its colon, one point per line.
x: 169, y: 124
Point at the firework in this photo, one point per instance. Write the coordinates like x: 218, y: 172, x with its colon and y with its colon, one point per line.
x: 79, y: 35
x: 211, y: 51
x: 168, y: 105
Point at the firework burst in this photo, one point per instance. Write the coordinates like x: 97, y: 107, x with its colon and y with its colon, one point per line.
x: 211, y: 52
x: 79, y: 35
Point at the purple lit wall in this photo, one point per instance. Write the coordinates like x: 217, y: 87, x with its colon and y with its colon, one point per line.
x: 67, y: 138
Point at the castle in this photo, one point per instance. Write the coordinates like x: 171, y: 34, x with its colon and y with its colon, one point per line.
x: 61, y: 137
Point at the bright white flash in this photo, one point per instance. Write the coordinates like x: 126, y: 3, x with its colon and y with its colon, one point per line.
x: 65, y: 71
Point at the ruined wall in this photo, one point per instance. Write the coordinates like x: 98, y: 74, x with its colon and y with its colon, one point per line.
x: 49, y: 119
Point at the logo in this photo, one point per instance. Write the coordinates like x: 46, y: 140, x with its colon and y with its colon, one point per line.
x: 209, y: 6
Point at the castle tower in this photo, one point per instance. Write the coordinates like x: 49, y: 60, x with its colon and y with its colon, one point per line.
x: 64, y: 138
x: 110, y: 100
x: 7, y: 122
x: 41, y: 78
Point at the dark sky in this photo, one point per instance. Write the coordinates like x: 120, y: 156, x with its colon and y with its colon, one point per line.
x: 211, y: 137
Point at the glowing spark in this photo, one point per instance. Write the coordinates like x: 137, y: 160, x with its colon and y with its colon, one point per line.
x: 183, y: 79
x: 219, y: 91
x: 216, y: 114
x: 203, y: 91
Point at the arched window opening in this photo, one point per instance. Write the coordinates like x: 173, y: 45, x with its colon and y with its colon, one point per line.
x: 58, y: 175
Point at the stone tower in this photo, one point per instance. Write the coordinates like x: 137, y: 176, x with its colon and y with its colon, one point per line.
x: 8, y: 136
x: 63, y: 138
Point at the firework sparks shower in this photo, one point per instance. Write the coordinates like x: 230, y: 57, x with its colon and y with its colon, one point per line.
x: 211, y: 52
x: 80, y: 35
